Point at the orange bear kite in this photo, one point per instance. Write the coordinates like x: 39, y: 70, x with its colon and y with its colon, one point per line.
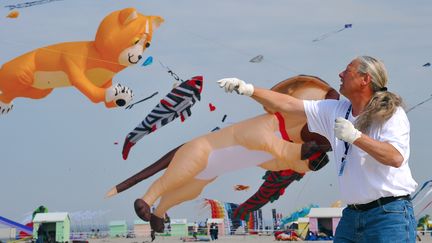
x: 89, y: 66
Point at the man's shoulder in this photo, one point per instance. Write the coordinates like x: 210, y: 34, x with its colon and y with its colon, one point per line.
x: 399, y: 118
x: 329, y: 101
x: 327, y: 105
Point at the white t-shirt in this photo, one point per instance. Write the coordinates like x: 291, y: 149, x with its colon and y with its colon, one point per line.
x: 364, y: 179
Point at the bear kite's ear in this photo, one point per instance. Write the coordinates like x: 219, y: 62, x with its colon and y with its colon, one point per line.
x: 127, y: 15
x: 156, y: 21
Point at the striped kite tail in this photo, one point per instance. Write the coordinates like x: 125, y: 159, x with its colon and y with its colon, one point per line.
x: 276, y: 181
x: 272, y: 188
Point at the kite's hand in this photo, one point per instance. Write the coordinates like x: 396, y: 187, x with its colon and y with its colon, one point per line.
x: 237, y: 85
x: 5, y: 108
x: 345, y: 130
x: 119, y: 94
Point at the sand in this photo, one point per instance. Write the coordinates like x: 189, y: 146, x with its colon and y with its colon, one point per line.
x: 222, y: 239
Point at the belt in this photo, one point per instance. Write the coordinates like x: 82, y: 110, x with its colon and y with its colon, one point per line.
x: 376, y: 203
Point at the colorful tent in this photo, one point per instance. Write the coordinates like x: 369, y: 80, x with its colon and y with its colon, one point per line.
x: 225, y: 210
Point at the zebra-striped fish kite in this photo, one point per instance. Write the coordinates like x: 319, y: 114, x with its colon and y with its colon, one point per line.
x: 177, y: 103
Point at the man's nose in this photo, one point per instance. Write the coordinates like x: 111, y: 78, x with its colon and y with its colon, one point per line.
x: 341, y: 75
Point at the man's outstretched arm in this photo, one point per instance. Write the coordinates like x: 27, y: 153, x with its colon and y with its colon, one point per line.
x: 271, y: 100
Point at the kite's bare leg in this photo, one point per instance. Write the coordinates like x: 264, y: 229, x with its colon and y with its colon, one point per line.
x: 187, y: 192
x: 287, y: 156
x: 184, y: 193
x: 188, y: 162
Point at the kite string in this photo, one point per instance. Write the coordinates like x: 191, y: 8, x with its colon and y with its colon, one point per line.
x: 46, y: 48
x: 417, y: 105
x: 427, y: 205
x: 29, y: 4
x: 275, y: 64
x: 306, y: 181
x: 173, y: 74
x: 424, y: 197
x: 425, y: 184
x: 144, y: 99
x: 62, y: 52
x: 324, y: 36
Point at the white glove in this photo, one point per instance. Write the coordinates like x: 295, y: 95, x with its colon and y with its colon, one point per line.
x: 237, y: 85
x: 345, y: 130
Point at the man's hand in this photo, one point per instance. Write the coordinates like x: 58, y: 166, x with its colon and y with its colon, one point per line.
x: 237, y: 85
x: 345, y: 130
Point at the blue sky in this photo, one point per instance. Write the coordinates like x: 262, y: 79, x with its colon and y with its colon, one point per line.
x: 60, y: 151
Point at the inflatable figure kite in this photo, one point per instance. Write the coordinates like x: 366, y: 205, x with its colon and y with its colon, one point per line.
x: 274, y: 142
x: 89, y: 66
x: 177, y: 103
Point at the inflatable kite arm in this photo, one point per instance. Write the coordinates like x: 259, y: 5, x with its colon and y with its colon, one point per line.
x: 113, y: 96
x: 81, y: 82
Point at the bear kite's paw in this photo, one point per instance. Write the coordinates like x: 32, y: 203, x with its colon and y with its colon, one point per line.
x: 5, y: 108
x: 121, y: 95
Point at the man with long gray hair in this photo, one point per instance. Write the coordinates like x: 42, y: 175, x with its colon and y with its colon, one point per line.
x: 369, y: 134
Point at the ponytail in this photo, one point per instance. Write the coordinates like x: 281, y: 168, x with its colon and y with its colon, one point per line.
x: 383, y: 103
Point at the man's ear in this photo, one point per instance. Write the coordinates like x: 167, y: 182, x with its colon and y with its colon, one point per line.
x: 367, y: 79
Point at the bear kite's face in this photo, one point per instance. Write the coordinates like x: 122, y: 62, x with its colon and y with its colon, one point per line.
x: 132, y: 54
x: 124, y: 35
